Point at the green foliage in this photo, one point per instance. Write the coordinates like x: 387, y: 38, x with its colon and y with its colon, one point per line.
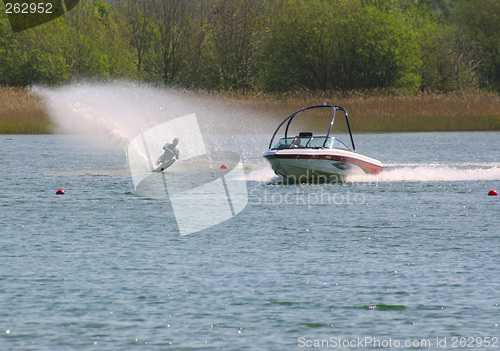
x: 20, y: 66
x: 87, y: 42
x: 273, y: 46
x: 299, y: 54
x: 379, y: 50
x: 93, y: 44
x: 477, y: 23
x: 437, y: 65
x: 233, y: 39
x: 322, y: 46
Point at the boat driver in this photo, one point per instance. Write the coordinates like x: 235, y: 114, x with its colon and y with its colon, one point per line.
x: 296, y: 142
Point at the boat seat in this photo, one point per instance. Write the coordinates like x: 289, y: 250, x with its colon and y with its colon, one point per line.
x: 305, y: 135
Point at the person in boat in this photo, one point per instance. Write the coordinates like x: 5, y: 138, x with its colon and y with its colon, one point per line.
x: 296, y: 142
x: 170, y: 154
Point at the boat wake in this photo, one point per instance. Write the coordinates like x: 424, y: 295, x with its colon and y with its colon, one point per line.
x: 406, y: 173
x: 260, y: 175
x: 432, y: 173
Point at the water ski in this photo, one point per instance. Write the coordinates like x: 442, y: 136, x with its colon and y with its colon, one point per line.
x: 164, y: 165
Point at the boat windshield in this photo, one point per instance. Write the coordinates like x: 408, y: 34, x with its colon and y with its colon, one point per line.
x: 315, y: 142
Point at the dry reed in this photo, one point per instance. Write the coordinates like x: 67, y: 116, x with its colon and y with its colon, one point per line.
x: 22, y: 112
x: 380, y: 111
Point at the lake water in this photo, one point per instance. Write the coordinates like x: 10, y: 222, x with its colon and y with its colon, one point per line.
x: 408, y: 259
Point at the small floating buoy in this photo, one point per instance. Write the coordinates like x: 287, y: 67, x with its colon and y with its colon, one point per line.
x: 223, y: 167
x: 60, y: 192
x: 492, y: 193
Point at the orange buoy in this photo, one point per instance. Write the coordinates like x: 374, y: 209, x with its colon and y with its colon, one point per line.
x: 60, y: 192
x: 492, y: 193
x: 223, y: 167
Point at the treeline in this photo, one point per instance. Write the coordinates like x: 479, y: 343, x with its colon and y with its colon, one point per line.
x: 270, y: 46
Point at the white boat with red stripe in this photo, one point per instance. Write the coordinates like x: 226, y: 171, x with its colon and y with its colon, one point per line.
x: 307, y: 157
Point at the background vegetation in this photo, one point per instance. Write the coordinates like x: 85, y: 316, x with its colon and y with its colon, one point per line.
x: 22, y: 112
x: 396, y: 48
x: 272, y: 46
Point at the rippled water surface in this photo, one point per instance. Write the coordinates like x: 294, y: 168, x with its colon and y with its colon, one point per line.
x: 412, y: 254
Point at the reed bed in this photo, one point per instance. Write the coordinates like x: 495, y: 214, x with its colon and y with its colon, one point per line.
x: 22, y: 112
x: 380, y: 111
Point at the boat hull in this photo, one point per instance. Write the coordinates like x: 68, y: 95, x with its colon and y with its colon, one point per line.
x: 320, y: 164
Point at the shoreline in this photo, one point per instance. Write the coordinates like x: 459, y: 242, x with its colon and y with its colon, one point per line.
x: 23, y: 111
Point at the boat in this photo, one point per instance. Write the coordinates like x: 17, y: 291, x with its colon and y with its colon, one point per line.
x: 307, y: 157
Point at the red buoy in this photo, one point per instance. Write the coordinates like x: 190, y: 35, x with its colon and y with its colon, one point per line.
x: 60, y: 192
x: 492, y: 193
x: 223, y: 167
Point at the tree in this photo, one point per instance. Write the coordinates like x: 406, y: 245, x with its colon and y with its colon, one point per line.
x: 477, y: 41
x: 235, y: 32
x: 299, y: 53
x: 93, y: 43
x: 140, y: 30
x: 434, y: 40
x: 31, y: 56
x: 378, y: 50
x: 197, y: 68
x: 346, y: 46
x: 170, y: 19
